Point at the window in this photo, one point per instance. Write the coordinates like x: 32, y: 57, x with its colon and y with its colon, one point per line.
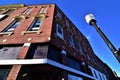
x: 88, y: 56
x: 59, y: 31
x: 28, y: 10
x: 43, y: 10
x: 2, y: 17
x: 70, y: 38
x: 67, y: 23
x: 4, y: 73
x: 35, y: 24
x: 9, y: 11
x: 73, y: 29
x: 59, y: 14
x: 12, y: 26
x: 80, y: 48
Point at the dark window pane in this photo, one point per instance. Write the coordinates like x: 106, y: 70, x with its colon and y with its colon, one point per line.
x: 4, y: 73
x: 73, y: 63
x: 8, y: 11
x: 59, y: 30
x: 12, y: 26
x: 54, y: 54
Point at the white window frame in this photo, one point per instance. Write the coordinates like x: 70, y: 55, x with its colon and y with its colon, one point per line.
x: 28, y: 10
x: 60, y: 35
x: 97, y: 74
x: 43, y: 10
x: 12, y: 26
x: 32, y: 28
x: 59, y: 14
x: 71, y: 41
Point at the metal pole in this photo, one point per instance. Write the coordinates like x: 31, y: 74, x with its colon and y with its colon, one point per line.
x: 90, y: 19
x: 107, y: 41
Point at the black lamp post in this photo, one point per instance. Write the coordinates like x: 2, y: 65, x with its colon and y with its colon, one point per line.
x: 90, y: 19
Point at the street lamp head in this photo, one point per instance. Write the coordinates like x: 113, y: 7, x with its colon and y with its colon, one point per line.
x: 90, y: 18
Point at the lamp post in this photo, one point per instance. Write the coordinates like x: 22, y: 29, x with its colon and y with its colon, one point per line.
x: 90, y: 19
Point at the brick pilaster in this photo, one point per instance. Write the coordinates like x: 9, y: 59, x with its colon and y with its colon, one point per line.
x: 14, y: 72
x: 16, y: 68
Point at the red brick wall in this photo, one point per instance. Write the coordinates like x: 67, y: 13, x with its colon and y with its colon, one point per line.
x: 17, y: 38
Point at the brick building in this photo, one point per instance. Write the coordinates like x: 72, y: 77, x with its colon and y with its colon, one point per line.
x: 38, y: 42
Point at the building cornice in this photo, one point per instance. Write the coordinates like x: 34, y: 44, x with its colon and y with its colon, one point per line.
x: 12, y: 6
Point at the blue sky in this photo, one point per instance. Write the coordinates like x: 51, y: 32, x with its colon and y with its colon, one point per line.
x: 108, y: 18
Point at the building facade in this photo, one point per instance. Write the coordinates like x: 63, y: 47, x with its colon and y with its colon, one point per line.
x: 39, y: 42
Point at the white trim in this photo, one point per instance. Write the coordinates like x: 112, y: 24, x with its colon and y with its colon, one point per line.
x: 97, y: 74
x: 23, y: 61
x: 44, y: 61
x: 26, y: 44
x: 60, y: 35
x: 56, y: 64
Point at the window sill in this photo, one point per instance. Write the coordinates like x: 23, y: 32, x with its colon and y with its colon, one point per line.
x: 6, y: 33
x: 29, y: 32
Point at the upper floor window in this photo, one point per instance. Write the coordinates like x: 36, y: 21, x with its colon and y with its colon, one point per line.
x: 12, y: 26
x: 59, y: 14
x: 73, y: 29
x: 67, y: 23
x: 59, y: 31
x: 2, y: 17
x: 35, y: 24
x: 28, y: 10
x: 70, y: 38
x: 88, y: 56
x: 43, y: 10
x: 9, y: 11
x: 80, y: 48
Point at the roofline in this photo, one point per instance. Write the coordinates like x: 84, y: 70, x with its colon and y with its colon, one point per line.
x: 12, y: 6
